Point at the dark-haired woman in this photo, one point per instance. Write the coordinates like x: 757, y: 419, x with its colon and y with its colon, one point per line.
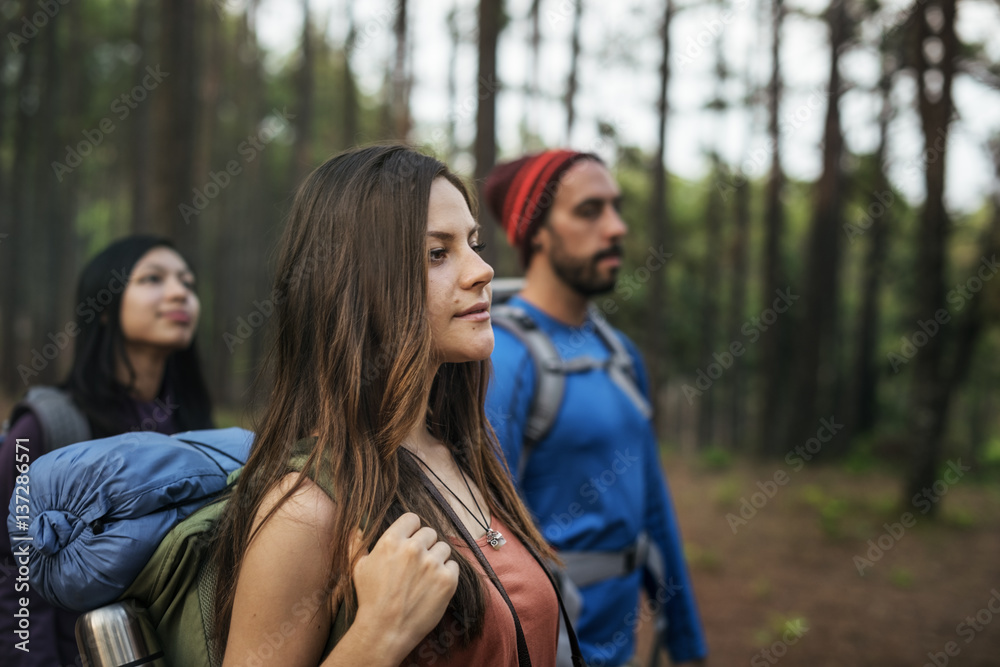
x: 134, y: 368
x: 380, y: 370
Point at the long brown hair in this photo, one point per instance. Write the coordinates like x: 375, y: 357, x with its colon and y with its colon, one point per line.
x: 350, y: 365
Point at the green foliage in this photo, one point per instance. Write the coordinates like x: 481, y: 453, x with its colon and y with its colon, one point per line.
x: 715, y: 458
x: 778, y: 625
x: 830, y: 509
x: 900, y: 577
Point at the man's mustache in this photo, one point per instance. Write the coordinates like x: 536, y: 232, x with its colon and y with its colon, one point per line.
x: 614, y: 251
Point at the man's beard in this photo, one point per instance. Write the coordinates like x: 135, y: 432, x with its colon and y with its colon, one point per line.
x: 583, y: 274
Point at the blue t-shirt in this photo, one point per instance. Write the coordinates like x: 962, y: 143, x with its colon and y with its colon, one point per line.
x: 594, y: 483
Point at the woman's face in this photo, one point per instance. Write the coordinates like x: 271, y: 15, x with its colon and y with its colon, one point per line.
x: 458, y: 280
x: 159, y: 306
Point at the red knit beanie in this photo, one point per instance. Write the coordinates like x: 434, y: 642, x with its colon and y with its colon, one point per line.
x: 520, y: 193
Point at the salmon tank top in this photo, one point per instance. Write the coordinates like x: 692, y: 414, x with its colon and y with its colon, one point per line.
x: 532, y: 595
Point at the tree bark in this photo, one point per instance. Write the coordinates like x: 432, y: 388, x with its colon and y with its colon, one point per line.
x: 16, y: 322
x: 710, y: 307
x: 931, y: 391
x: 350, y: 86
x: 305, y: 85
x: 658, y: 334
x: 574, y: 63
x: 815, y: 371
x: 490, y: 13
x: 175, y: 113
x: 864, y: 396
x: 400, y: 76
x: 773, y: 365
x: 138, y: 151
x: 454, y: 40
x: 737, y: 306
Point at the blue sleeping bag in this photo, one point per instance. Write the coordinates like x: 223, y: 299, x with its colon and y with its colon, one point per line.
x: 98, y: 509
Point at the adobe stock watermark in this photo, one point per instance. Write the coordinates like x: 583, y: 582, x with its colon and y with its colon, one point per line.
x: 249, y: 149
x: 927, y: 329
x: 590, y: 491
x: 88, y: 310
x: 934, y: 149
x: 695, y: 45
x: 881, y: 203
x: 632, y: 620
x: 796, y: 459
x: 752, y: 329
x: 967, y: 630
x: 121, y: 107
x: 756, y: 162
x: 303, y: 611
x: 923, y: 501
x: 263, y: 310
x: 466, y: 109
x: 794, y: 630
x: 31, y: 26
x: 563, y: 11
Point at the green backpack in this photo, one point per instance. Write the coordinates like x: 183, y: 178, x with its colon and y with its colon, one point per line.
x: 177, y: 585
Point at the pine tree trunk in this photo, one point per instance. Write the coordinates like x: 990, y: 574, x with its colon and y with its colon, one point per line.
x: 16, y: 321
x: 574, y: 64
x: 773, y: 365
x: 490, y: 12
x: 737, y: 306
x: 931, y: 393
x: 864, y: 397
x: 350, y: 86
x: 400, y: 76
x: 816, y: 353
x: 305, y: 86
x: 658, y: 334
x: 140, y: 119
x: 175, y: 113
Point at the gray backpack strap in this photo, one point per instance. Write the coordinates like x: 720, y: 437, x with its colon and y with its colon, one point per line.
x: 62, y: 422
x: 549, y: 379
x: 621, y: 368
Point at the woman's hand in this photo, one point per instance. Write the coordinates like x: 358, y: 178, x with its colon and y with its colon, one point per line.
x: 405, y: 583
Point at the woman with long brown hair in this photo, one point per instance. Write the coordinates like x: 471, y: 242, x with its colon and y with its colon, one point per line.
x: 351, y: 555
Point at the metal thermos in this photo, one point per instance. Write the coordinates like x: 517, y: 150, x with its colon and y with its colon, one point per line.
x: 116, y: 635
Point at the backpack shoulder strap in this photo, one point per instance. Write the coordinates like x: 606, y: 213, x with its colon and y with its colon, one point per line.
x: 621, y: 367
x: 62, y: 422
x: 550, y: 380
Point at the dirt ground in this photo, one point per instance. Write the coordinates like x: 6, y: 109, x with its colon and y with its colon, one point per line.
x: 785, y: 588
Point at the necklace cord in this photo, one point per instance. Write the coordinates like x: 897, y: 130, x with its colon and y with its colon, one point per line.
x: 485, y: 522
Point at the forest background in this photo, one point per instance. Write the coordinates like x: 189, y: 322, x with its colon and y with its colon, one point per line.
x: 811, y: 189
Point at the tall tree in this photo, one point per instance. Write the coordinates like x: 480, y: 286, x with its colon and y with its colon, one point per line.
x: 349, y: 85
x: 815, y: 361
x: 54, y: 271
x: 739, y: 251
x: 305, y: 85
x: 175, y: 113
x: 490, y: 19
x: 933, y: 26
x: 400, y: 74
x: 535, y: 46
x: 574, y: 66
x: 714, y: 211
x: 773, y: 367
x: 139, y: 143
x: 16, y: 248
x: 863, y: 397
x: 658, y: 333
x: 454, y: 40
x: 658, y: 305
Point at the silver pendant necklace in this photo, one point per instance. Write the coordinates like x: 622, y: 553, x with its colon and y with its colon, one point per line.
x: 493, y: 537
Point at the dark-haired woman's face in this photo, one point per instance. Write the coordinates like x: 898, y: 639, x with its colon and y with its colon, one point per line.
x: 159, y: 306
x: 458, y: 280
